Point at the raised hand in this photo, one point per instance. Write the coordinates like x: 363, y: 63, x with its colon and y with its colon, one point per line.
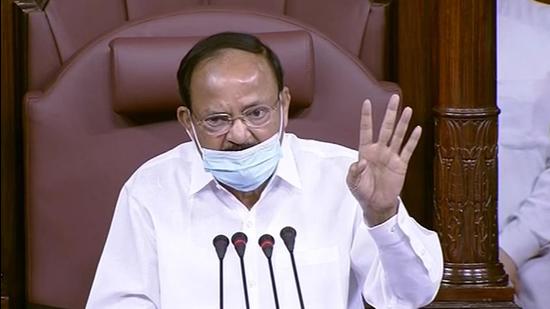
x: 376, y: 179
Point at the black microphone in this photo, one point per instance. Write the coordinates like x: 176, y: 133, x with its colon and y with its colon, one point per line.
x: 239, y: 240
x: 220, y: 243
x: 267, y: 242
x: 288, y: 234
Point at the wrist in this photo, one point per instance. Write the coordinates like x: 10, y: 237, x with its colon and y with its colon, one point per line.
x: 519, y: 242
x: 375, y: 217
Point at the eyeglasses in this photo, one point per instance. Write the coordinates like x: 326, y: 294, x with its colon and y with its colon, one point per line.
x: 254, y: 117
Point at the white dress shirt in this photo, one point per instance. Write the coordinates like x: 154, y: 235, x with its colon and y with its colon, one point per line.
x: 159, y: 251
x: 524, y: 128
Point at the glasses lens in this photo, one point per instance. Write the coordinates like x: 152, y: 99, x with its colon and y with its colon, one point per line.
x: 217, y: 123
x: 257, y: 116
x: 254, y: 117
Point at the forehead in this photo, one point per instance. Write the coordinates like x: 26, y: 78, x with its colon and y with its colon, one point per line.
x: 232, y: 71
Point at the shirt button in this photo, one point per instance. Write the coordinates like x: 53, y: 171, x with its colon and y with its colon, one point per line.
x: 249, y: 224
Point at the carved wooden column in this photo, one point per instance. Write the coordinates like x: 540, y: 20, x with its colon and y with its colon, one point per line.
x: 465, y: 159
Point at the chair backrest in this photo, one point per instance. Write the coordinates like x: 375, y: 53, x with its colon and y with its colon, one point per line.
x: 64, y: 27
x: 88, y: 131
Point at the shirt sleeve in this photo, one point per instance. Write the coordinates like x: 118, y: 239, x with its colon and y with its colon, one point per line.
x: 527, y: 230
x: 524, y: 129
x: 127, y: 274
x: 407, y: 266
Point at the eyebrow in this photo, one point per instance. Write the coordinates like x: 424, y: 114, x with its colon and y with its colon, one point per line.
x: 210, y: 112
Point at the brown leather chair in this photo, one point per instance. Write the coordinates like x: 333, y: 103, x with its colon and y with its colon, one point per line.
x: 64, y: 27
x: 113, y: 106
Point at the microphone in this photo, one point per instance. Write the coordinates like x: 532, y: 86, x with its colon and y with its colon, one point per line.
x: 267, y: 242
x: 220, y: 243
x: 239, y: 240
x: 288, y: 234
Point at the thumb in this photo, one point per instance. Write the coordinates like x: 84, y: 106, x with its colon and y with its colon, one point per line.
x: 354, y: 173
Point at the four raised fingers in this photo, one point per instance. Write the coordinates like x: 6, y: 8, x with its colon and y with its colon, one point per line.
x: 387, y: 131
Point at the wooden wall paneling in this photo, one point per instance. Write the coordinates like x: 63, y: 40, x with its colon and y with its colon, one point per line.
x: 12, y: 88
x: 412, y: 36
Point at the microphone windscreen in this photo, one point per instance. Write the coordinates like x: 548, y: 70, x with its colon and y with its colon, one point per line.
x: 266, y: 242
x: 288, y: 234
x: 239, y: 240
x: 220, y: 243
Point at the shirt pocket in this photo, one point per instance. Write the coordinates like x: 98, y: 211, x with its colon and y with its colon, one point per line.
x: 323, y: 278
x: 316, y: 256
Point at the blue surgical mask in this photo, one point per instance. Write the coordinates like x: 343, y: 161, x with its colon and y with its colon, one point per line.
x: 244, y: 170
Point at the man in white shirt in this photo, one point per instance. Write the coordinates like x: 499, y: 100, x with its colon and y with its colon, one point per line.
x: 242, y: 173
x: 523, y: 60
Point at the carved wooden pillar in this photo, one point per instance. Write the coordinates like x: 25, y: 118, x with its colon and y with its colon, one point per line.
x: 465, y: 159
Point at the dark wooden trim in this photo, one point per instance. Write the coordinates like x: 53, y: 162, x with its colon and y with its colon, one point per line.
x: 12, y: 88
x: 475, y: 293
x: 472, y: 305
x: 28, y: 6
x: 412, y: 45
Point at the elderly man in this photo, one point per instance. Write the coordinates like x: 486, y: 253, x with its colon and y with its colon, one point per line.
x: 242, y: 172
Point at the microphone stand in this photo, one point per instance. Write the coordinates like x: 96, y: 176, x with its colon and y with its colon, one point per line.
x: 266, y: 242
x: 288, y: 234
x: 220, y: 243
x: 239, y: 240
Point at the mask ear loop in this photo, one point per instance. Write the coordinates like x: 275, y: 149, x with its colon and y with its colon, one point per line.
x: 193, y: 136
x: 281, y: 119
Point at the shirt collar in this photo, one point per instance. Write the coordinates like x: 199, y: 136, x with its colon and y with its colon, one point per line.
x: 286, y: 169
x: 199, y: 177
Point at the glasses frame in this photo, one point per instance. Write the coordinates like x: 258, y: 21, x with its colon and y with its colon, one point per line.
x: 201, y: 122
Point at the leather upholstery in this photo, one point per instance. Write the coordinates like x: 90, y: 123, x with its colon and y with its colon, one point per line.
x: 144, y: 70
x: 65, y: 27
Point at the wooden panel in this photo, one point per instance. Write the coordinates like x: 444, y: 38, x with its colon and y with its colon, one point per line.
x: 466, y: 51
x: 474, y: 293
x: 12, y: 211
x: 5, y: 302
x: 412, y: 69
x: 472, y: 305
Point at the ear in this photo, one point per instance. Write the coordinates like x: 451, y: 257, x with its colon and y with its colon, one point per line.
x: 184, y: 117
x: 285, y: 101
